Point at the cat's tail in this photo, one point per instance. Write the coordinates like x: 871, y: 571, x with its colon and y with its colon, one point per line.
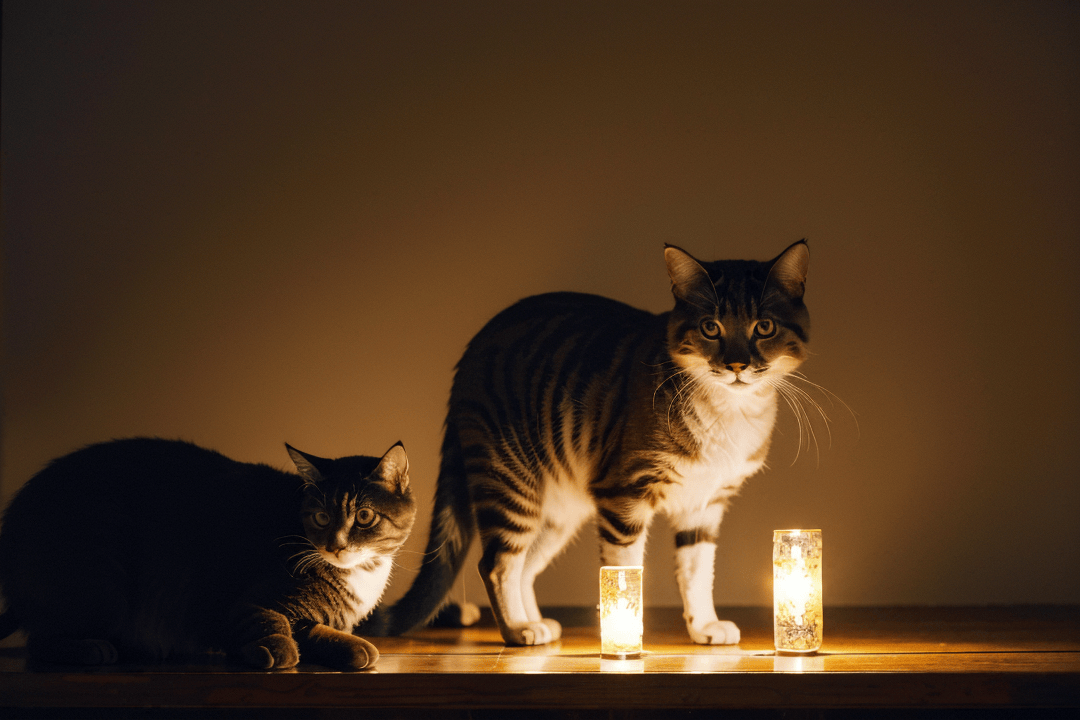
x: 453, y: 526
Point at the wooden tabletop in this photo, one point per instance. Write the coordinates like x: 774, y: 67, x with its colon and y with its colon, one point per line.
x: 913, y: 658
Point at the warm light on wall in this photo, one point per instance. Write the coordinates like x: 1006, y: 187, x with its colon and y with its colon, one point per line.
x: 620, y: 611
x: 797, y: 615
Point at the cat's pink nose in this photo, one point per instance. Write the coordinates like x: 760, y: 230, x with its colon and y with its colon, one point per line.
x: 736, y: 367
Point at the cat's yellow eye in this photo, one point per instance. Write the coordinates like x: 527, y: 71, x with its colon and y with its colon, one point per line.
x: 366, y: 517
x: 710, y: 328
x: 765, y: 328
x: 321, y: 519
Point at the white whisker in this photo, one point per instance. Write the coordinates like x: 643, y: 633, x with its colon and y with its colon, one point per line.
x: 797, y: 398
x: 832, y: 397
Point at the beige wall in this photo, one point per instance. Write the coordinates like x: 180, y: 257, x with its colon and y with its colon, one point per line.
x: 245, y: 227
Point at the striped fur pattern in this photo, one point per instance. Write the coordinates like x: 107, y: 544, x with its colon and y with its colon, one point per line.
x: 568, y: 406
x: 153, y: 549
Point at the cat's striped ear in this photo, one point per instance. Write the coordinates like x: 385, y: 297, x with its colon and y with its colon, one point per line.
x: 394, y: 468
x: 789, y: 269
x: 305, y: 465
x: 690, y: 282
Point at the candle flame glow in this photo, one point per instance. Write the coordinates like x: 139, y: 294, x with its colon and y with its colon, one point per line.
x: 621, y: 624
x: 797, y: 616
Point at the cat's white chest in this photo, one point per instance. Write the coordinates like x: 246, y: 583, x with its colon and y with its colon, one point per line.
x: 368, y: 586
x: 732, y: 438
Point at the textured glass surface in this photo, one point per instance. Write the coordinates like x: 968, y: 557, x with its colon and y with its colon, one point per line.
x: 797, y: 616
x: 620, y: 611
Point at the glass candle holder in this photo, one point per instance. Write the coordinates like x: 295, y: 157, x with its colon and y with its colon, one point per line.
x: 620, y: 611
x: 797, y: 616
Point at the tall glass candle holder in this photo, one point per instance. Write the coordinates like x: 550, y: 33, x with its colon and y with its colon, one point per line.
x: 620, y: 611
x: 797, y: 612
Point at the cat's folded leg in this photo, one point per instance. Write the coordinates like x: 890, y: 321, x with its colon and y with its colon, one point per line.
x: 77, y: 616
x: 324, y: 645
x: 264, y: 639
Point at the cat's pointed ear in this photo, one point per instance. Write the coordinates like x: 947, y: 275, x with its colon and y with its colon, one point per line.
x: 394, y: 467
x: 690, y: 282
x: 789, y: 269
x: 305, y: 465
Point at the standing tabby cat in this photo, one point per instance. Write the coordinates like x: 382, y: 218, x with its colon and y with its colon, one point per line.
x: 567, y: 406
x: 151, y: 548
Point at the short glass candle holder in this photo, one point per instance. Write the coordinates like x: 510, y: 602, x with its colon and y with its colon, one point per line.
x: 797, y: 607
x: 620, y: 611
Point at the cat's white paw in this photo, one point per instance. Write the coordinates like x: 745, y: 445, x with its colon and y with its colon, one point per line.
x: 718, y: 632
x: 533, y: 633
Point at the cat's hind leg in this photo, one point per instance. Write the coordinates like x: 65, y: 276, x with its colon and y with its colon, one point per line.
x: 78, y: 620
x: 502, y: 568
x: 563, y: 513
x: 507, y: 495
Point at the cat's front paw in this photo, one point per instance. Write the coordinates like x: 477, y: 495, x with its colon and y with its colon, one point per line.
x: 359, y: 654
x: 533, y: 633
x: 718, y: 632
x: 324, y: 645
x: 277, y: 652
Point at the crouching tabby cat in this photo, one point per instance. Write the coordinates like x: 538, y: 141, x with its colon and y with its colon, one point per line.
x: 147, y: 549
x: 567, y: 406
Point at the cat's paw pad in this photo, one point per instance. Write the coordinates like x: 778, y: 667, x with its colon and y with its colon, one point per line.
x: 533, y: 633
x: 276, y: 652
x: 718, y: 632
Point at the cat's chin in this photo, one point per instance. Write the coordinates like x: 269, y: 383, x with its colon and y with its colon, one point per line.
x: 738, y: 387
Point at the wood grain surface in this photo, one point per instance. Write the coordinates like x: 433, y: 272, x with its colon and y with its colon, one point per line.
x: 873, y: 658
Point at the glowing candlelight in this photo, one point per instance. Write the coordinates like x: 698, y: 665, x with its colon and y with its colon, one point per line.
x: 620, y: 611
x: 797, y: 616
